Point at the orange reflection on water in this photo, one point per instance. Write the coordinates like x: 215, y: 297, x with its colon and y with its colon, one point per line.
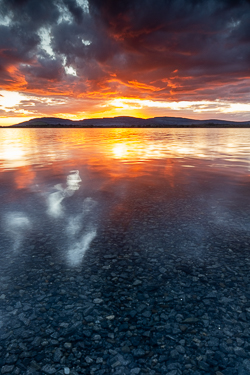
x: 119, y: 152
x: 24, y: 177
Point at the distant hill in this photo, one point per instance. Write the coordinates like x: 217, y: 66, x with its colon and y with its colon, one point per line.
x: 128, y: 122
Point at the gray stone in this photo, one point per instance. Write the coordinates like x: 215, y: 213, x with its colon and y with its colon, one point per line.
x: 174, y: 354
x: 203, y: 366
x: 57, y: 355
x: 48, y: 369
x: 23, y: 319
x: 16, y: 371
x: 11, y: 359
x: 37, y: 341
x: 7, y: 369
x: 96, y: 338
x: 240, y: 352
x: 115, y: 364
x: 67, y: 345
x: 191, y: 320
x: 213, y: 341
x: 99, y: 360
x: 180, y: 349
x: 147, y: 314
x: 173, y: 366
x: 162, y: 270
x: 138, y: 352
x: 137, y: 282
x: 135, y: 371
x: 88, y: 359
x: 98, y: 301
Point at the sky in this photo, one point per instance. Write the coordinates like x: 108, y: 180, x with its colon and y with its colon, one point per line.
x: 145, y: 58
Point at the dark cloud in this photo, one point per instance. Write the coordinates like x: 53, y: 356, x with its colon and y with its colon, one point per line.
x: 17, y: 44
x: 31, y: 13
x: 75, y: 10
x: 47, y: 69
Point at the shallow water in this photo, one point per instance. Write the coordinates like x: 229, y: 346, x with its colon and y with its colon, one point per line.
x: 72, y: 201
x: 67, y: 184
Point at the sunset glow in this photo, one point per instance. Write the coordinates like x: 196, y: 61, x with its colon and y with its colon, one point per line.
x: 87, y: 59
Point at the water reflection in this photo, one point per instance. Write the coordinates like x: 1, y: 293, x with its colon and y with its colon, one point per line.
x: 81, y: 231
x: 20, y: 147
x: 55, y: 198
x: 129, y: 233
x: 78, y: 180
x: 17, y: 224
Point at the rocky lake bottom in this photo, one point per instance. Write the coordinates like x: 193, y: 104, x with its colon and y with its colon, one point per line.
x: 125, y: 252
x: 127, y: 309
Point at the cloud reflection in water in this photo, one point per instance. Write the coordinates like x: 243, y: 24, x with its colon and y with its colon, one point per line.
x: 80, y: 228
x: 81, y: 231
x: 17, y: 224
x: 54, y: 199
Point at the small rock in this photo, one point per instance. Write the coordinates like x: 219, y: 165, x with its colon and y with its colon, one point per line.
x: 99, y: 360
x: 137, y: 282
x: 183, y: 328
x: 98, y: 300
x: 138, y: 352
x: 190, y: 320
x: 49, y: 369
x: 174, y: 354
x: 162, y: 270
x: 57, y: 355
x: 126, y: 349
x: 135, y: 370
x: 115, y: 364
x: 203, y: 366
x: 7, y: 369
x: 88, y: 359
x: 147, y: 314
x: 240, y: 352
x: 68, y: 345
x: 96, y: 338
x: 180, y: 349
x: 110, y: 317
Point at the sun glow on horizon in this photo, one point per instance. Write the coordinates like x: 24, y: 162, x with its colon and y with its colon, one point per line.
x: 9, y: 99
x: 195, y: 106
x: 16, y: 107
x: 8, y: 121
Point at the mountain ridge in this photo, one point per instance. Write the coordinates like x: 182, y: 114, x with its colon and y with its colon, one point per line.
x: 128, y: 121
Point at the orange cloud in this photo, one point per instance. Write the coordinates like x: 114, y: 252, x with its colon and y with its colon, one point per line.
x: 91, y: 55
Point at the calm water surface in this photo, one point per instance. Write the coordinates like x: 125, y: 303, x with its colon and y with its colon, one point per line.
x: 69, y: 185
x: 111, y: 238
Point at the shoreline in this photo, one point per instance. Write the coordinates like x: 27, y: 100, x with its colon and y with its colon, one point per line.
x: 129, y: 127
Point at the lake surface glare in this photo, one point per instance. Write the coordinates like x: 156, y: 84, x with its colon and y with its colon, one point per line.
x: 125, y: 251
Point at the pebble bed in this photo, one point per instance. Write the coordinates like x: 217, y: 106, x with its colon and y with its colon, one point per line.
x: 163, y: 289
x: 151, y: 311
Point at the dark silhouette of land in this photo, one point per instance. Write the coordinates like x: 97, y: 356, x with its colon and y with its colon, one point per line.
x: 130, y: 122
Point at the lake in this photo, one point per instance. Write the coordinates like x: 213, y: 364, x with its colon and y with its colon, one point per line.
x: 124, y: 251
